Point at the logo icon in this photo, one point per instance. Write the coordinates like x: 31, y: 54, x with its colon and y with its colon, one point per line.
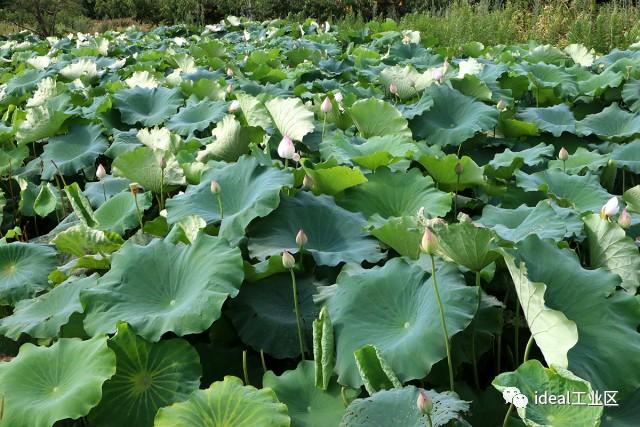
x: 514, y: 396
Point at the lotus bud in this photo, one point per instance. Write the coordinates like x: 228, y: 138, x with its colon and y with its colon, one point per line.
x: 301, y: 238
x: 286, y: 149
x: 234, y: 106
x: 459, y: 169
x: 288, y: 261
x: 229, y: 89
x: 563, y: 154
x: 215, y: 187
x: 437, y: 75
x: 610, y: 208
x: 338, y: 97
x: 307, y: 182
x: 295, y: 157
x: 424, y: 403
x: 501, y: 106
x: 326, y: 105
x: 229, y: 72
x: 429, y: 242
x: 393, y: 88
x: 162, y: 162
x: 624, y: 220
x: 406, y: 40
x: 445, y: 66
x: 100, y: 172
x: 134, y: 188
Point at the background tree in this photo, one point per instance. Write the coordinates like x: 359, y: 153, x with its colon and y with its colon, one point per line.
x: 44, y: 17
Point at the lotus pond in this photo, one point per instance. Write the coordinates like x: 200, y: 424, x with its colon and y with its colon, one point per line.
x: 269, y: 224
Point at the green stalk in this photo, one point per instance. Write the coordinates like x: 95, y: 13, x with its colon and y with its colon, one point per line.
x: 429, y: 419
x: 104, y: 192
x: 324, y: 123
x: 162, y: 189
x: 219, y: 196
x: 297, y: 310
x: 442, y: 319
x: 135, y: 199
x: 526, y: 357
x: 264, y: 364
x: 473, y: 333
x: 245, y: 371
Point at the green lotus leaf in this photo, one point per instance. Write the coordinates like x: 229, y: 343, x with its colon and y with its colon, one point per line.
x: 374, y: 117
x: 583, y: 193
x: 454, y: 118
x: 401, y: 234
x: 443, y: 172
x: 226, y: 403
x: 504, y: 164
x: 335, y: 234
x: 24, y: 83
x: 80, y: 204
x: 513, y: 128
x: 323, y: 349
x: 580, y: 54
x: 254, y: 111
x: 374, y: 370
x: 119, y: 213
x: 472, y: 86
x: 555, y: 119
x: 248, y: 191
x: 43, y: 121
x: 627, y: 155
x: 408, y: 81
x: 109, y: 187
x: 163, y: 287
x: 397, y: 300
x: 308, y: 406
x: 24, y: 268
x: 74, y: 151
x: 373, y: 153
x: 598, y: 83
x: 398, y: 407
x: 610, y: 248
x: 612, y: 123
x: 532, y: 379
x: 46, y: 201
x: 231, y: 141
x: 12, y: 158
x: 632, y: 198
x: 330, y: 178
x: 625, y: 415
x: 546, y: 220
x: 197, y: 116
x: 606, y: 318
x: 149, y: 106
x: 43, y: 385
x: 580, y: 161
x: 263, y: 314
x: 412, y: 110
x: 466, y: 244
x: 631, y: 94
x: 396, y: 194
x: 80, y: 240
x: 550, y: 77
x: 142, y: 165
x: 291, y: 117
x: 148, y: 376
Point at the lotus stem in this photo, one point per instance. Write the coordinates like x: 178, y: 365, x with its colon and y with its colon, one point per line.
x: 527, y: 349
x: 499, y: 354
x: 245, y: 371
x: 473, y: 333
x: 219, y: 197
x: 297, y: 310
x: 264, y: 364
x: 429, y: 419
x: 324, y: 123
x: 442, y: 319
x: 564, y: 166
x: 507, y: 415
x: 162, y: 189
x: 104, y: 192
x: 135, y: 200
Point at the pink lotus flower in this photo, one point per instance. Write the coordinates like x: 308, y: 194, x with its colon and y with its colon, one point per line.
x: 100, y: 172
x: 286, y: 149
x: 326, y: 105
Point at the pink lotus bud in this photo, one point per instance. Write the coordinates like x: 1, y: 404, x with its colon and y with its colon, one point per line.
x: 338, y: 97
x: 307, y: 182
x: 429, y: 242
x: 624, y: 220
x: 229, y: 72
x: 437, y: 74
x: 610, y: 208
x: 424, y: 403
x: 162, y: 163
x: 563, y: 154
x: 134, y: 188
x: 100, y: 172
x: 288, y: 261
x: 286, y: 149
x: 393, y: 88
x: 234, y: 106
x: 215, y: 187
x: 301, y: 238
x: 326, y: 105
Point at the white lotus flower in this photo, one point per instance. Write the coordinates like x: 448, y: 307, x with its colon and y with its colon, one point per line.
x: 79, y: 69
x: 469, y: 66
x: 175, y: 78
x: 286, y: 149
x: 338, y: 97
x: 39, y: 62
x: 234, y: 106
x: 180, y: 41
x: 610, y: 208
x: 155, y: 138
x: 117, y: 65
x: 46, y: 89
x: 142, y: 79
x: 103, y: 46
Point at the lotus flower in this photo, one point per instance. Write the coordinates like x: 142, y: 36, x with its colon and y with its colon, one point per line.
x: 429, y: 242
x: 215, y: 187
x: 424, y: 403
x: 338, y: 97
x: 234, y: 106
x: 288, y: 261
x: 100, y: 172
x: 393, y: 88
x: 286, y: 149
x: 563, y: 154
x: 326, y: 105
x: 437, y: 75
x: 301, y: 238
x: 624, y: 220
x: 230, y: 72
x: 610, y: 208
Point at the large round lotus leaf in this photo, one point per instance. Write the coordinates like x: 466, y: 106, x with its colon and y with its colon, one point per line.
x: 142, y: 165
x: 231, y: 141
x: 631, y: 94
x: 74, y: 151
x: 109, y: 186
x: 454, y: 117
x: 264, y: 316
x: 582, y: 193
x: 148, y: 376
x: 226, y: 403
x: 504, y: 164
x: 371, y: 153
x: 625, y: 415
x: 395, y: 194
x: 24, y: 268
x: 163, y: 287
x: 466, y: 244
x: 149, y: 106
x: 402, y: 234
x: 606, y: 318
x: 546, y: 220
x: 443, y: 171
x: 610, y: 248
x: 374, y: 117
x: 43, y: 385
x: 25, y: 82
x: 397, y: 301
x: 611, y: 123
x: 308, y: 406
x: 555, y: 119
x: 12, y: 158
x: 335, y: 234
x: 627, y: 155
x: 43, y: 316
x: 248, y: 191
x: 80, y: 240
x: 197, y: 116
x: 254, y: 111
x: 598, y: 83
x: 532, y: 379
x: 580, y: 161
x: 329, y: 178
x: 549, y: 76
x: 291, y: 117
x: 44, y: 120
x: 119, y: 213
x: 397, y: 407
